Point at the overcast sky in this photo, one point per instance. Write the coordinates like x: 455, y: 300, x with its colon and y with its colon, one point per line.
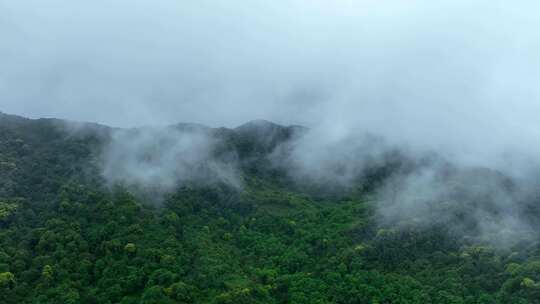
x: 460, y: 74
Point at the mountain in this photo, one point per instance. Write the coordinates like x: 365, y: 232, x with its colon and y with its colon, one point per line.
x: 94, y: 214
x: 49, y: 152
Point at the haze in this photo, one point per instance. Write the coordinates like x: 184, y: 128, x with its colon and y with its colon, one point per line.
x: 455, y: 76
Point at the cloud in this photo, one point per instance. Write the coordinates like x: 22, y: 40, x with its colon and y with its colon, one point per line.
x: 471, y: 203
x: 331, y: 158
x: 161, y: 159
x: 226, y: 62
x: 456, y: 76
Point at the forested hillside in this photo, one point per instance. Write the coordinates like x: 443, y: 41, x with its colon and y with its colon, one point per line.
x: 70, y: 235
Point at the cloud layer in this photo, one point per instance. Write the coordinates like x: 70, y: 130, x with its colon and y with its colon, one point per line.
x: 384, y: 65
x: 159, y: 159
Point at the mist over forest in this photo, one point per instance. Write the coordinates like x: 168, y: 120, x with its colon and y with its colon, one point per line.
x: 269, y: 152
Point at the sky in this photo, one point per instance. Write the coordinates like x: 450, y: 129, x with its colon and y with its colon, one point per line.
x: 458, y: 76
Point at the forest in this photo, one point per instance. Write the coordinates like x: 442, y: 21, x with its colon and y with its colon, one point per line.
x: 68, y: 235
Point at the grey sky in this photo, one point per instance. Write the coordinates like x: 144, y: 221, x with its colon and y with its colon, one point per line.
x: 458, y: 75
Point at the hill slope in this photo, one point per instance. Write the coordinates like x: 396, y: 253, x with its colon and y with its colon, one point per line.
x: 70, y: 235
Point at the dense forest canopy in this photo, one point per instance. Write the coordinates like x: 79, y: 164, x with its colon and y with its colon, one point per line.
x: 191, y: 214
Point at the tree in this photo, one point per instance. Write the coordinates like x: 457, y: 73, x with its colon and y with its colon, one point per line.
x: 7, y: 280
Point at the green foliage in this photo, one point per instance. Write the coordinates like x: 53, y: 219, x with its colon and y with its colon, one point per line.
x: 7, y: 279
x: 66, y: 238
x: 113, y: 249
x: 130, y: 248
x: 7, y: 210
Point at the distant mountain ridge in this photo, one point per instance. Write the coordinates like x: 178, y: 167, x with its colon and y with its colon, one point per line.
x: 36, y: 149
x: 258, y: 125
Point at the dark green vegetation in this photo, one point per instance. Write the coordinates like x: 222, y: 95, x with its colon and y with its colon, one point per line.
x: 67, y: 238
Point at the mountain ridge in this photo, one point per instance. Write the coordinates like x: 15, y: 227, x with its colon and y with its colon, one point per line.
x: 253, y: 235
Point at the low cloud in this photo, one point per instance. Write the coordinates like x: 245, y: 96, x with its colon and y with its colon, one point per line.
x: 160, y: 159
